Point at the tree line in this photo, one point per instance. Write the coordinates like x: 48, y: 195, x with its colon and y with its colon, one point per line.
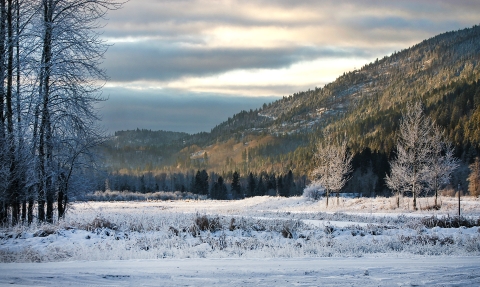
x: 231, y: 185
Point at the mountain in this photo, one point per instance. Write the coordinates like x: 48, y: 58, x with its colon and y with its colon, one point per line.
x: 365, y: 98
x: 365, y: 105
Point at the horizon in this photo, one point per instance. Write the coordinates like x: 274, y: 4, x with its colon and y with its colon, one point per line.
x: 187, y: 66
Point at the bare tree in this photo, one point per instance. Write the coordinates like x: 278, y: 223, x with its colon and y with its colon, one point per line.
x: 420, y: 165
x: 333, y: 164
x: 50, y: 56
x: 441, y: 165
x: 70, y: 79
x: 414, y: 147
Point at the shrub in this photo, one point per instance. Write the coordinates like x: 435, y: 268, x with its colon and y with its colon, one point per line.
x: 426, y: 239
x: 203, y: 223
x: 286, y: 232
x: 313, y: 192
x: 100, y: 222
x: 232, y: 226
x: 45, y: 231
x: 449, y: 222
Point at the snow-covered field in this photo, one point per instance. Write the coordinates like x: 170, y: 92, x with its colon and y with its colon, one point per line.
x: 256, y: 241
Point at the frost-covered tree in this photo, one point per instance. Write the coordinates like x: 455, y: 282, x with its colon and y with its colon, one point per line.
x: 15, y: 92
x: 414, y: 147
x: 50, y: 56
x: 441, y: 164
x: 333, y: 164
x: 424, y: 161
x: 69, y: 80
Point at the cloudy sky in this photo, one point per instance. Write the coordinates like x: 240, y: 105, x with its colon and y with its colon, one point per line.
x: 187, y: 65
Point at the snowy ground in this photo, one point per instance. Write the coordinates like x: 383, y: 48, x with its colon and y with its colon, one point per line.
x: 432, y: 271
x: 258, y: 241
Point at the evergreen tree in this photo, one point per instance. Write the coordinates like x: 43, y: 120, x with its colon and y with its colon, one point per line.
x: 251, y: 185
x: 201, y: 183
x: 260, y: 190
x: 236, y: 188
x: 221, y: 189
x: 280, y: 186
x: 272, y: 184
x: 289, y: 184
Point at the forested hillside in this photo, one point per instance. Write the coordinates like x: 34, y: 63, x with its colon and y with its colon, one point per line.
x: 364, y: 106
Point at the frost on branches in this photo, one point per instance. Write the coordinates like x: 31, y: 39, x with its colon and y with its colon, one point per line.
x: 424, y: 160
x: 50, y: 56
x: 333, y: 164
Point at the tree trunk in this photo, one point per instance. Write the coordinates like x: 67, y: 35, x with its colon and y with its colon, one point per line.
x: 3, y: 200
x: 49, y: 214
x: 24, y: 211
x: 414, y: 193
x: 45, y: 153
x: 414, y: 201
x: 41, y: 210
x: 3, y: 213
x: 30, y: 210
x: 60, y: 205
x: 327, y: 196
x: 13, y: 187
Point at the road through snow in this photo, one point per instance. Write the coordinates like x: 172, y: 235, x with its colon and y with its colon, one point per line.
x: 381, y: 271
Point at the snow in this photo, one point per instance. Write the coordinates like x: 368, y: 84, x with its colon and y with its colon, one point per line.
x: 257, y: 241
x: 450, y: 271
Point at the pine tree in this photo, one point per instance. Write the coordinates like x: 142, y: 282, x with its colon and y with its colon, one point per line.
x: 280, y: 186
x: 236, y: 188
x: 260, y: 190
x: 272, y: 184
x: 251, y: 185
x: 221, y: 189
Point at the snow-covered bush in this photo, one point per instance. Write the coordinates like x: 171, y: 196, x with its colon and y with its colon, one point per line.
x: 314, y: 192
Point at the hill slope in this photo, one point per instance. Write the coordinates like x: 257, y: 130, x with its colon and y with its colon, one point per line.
x: 366, y: 104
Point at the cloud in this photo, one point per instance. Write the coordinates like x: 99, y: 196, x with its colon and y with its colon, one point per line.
x: 230, y: 49
x: 144, y: 61
x: 170, y: 109
x: 165, y: 40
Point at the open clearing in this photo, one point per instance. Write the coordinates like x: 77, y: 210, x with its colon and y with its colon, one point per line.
x: 258, y: 241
